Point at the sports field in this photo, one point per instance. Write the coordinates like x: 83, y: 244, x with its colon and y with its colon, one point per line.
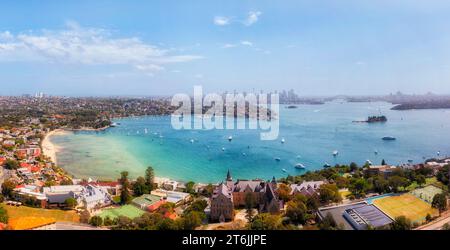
x: 129, y: 211
x: 427, y: 193
x: 23, y: 211
x: 407, y: 205
x: 22, y: 218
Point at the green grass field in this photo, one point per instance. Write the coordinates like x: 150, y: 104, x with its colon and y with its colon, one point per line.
x: 407, y: 205
x: 23, y: 211
x: 129, y: 211
x: 427, y: 193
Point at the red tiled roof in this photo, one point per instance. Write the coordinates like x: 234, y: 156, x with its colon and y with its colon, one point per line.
x: 170, y: 215
x: 155, y: 206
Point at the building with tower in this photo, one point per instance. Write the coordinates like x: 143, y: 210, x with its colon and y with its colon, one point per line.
x: 231, y: 194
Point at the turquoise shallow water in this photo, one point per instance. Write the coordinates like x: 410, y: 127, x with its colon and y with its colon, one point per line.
x: 312, y: 133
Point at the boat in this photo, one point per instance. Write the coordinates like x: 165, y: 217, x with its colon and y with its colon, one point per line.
x: 300, y: 166
x: 277, y: 159
x: 292, y: 107
x: 299, y: 156
x: 223, y: 149
x: 145, y: 131
x: 368, y: 162
x: 410, y: 161
x: 438, y: 153
x: 376, y: 152
x: 192, y: 140
x: 244, y: 154
x: 327, y: 165
x: 389, y: 138
x: 284, y: 170
x: 335, y: 153
x: 230, y: 138
x: 283, y: 140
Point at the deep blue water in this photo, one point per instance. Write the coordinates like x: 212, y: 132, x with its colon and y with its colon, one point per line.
x: 312, y: 133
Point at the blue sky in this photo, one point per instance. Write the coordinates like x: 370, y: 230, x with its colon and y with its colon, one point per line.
x: 165, y: 47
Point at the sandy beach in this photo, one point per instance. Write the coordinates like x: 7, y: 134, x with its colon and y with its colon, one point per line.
x: 48, y: 148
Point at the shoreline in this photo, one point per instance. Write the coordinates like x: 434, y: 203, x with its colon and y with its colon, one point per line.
x: 48, y: 148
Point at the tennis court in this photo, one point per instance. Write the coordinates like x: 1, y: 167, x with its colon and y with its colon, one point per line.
x: 427, y: 193
x: 129, y: 211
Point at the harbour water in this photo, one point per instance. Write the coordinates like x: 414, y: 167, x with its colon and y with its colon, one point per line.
x: 311, y: 132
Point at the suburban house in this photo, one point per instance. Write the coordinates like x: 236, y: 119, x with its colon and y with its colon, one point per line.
x: 385, y: 170
x: 231, y: 194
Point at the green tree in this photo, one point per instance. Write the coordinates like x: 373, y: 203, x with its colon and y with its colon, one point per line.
x: 353, y: 166
x: 125, y: 196
x: 420, y: 179
x: 96, y: 221
x: 397, y: 181
x: 328, y: 223
x: 197, y: 206
x: 329, y: 193
x: 401, y: 223
x: 383, y: 163
x: 284, y: 192
x: 249, y: 205
x: 439, y: 202
x: 380, y: 184
x: 359, y: 187
x: 296, y: 211
x: 70, y: 203
x: 11, y: 164
x: 150, y: 178
x: 208, y: 190
x: 313, y: 203
x: 108, y: 221
x: 3, y: 215
x: 192, y: 220
x: 140, y: 187
x: 8, y: 187
x: 265, y: 221
x: 190, y: 187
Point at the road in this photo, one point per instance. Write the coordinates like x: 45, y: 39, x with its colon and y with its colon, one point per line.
x: 438, y: 223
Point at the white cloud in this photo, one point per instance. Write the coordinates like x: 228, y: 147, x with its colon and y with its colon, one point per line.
x: 246, y: 43
x: 228, y: 45
x: 88, y: 46
x: 149, y: 67
x: 252, y: 17
x: 5, y: 36
x: 221, y: 20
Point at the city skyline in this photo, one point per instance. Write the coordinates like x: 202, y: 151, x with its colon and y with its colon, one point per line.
x: 108, y: 48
